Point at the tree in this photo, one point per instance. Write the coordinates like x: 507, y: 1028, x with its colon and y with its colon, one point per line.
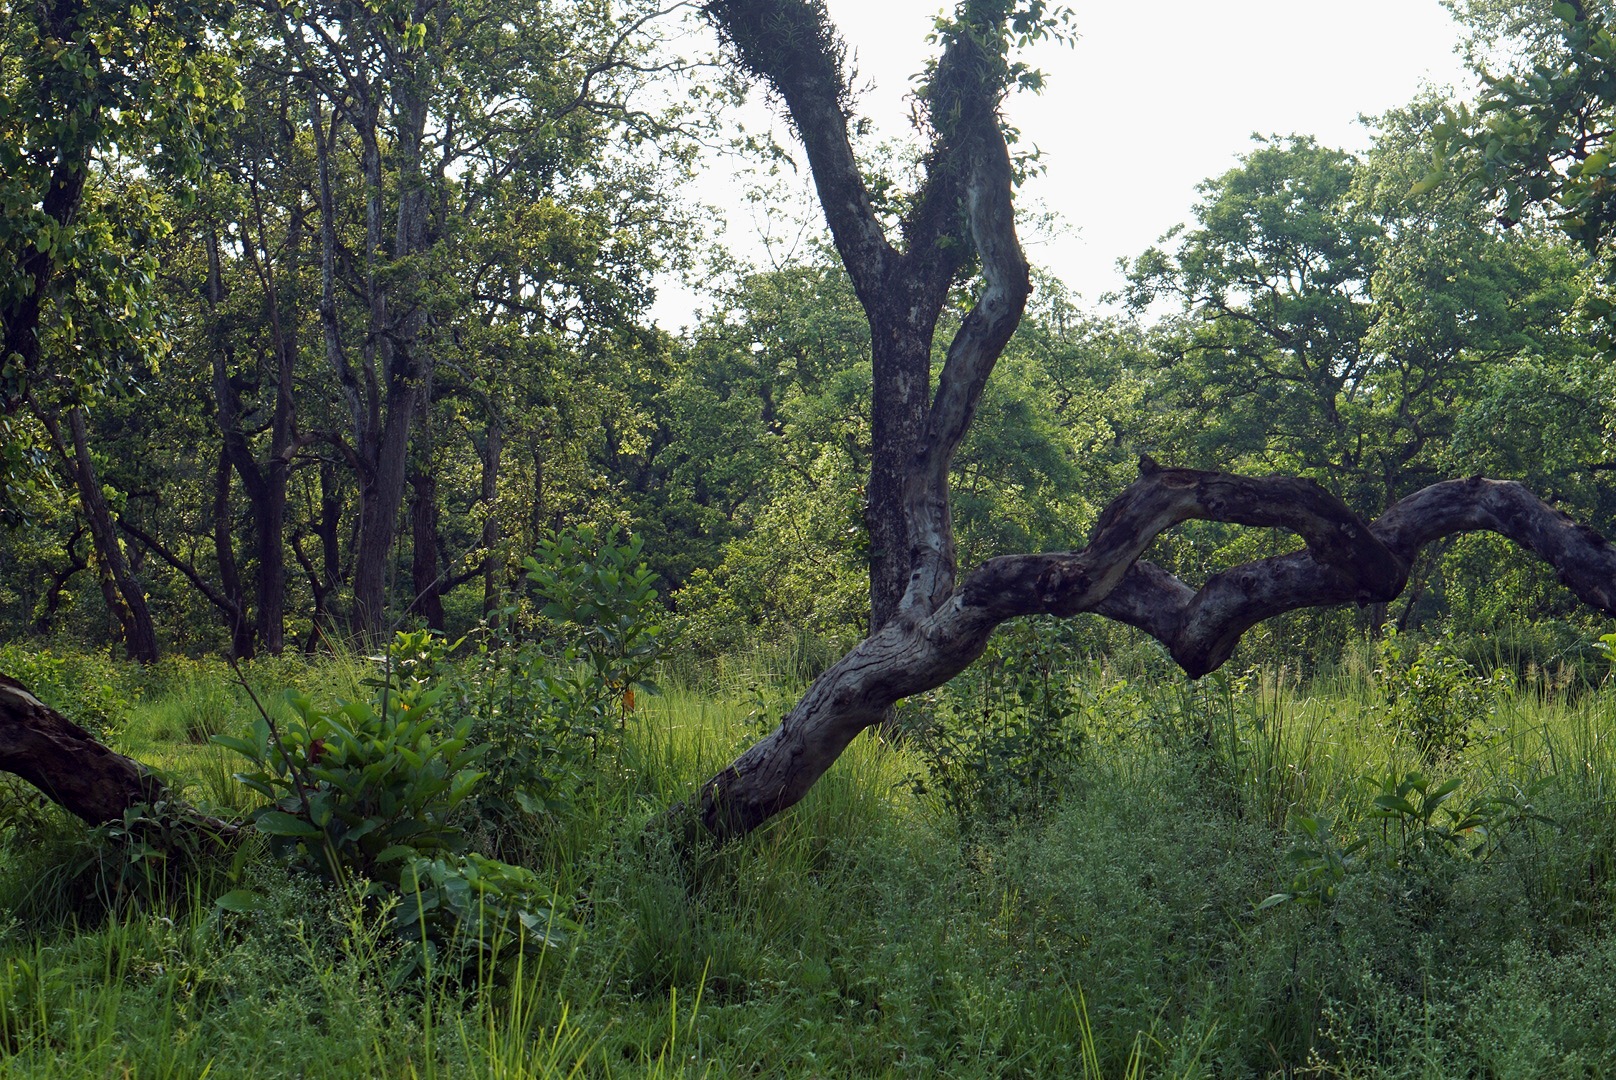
x: 85, y: 88
x: 929, y: 622
x: 1541, y: 139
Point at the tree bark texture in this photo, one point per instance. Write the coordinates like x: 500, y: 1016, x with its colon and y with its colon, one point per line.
x: 927, y: 624
x: 1345, y: 561
x: 66, y: 762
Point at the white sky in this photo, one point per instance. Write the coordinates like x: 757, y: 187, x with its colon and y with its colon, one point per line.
x: 1151, y: 100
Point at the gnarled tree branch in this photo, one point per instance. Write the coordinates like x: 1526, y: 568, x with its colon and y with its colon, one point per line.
x: 1345, y: 560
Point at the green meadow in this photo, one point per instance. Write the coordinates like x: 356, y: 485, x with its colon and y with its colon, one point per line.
x: 1380, y: 872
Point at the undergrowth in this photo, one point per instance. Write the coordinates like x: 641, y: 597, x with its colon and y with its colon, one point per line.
x: 1249, y: 876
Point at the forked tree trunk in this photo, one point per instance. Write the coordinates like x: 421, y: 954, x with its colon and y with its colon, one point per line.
x: 928, y: 624
x: 124, y: 595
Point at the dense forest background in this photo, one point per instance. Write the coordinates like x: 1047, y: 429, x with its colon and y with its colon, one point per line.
x: 329, y: 346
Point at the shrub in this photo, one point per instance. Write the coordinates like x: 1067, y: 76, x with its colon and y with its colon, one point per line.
x: 1433, y: 695
x: 363, y: 792
x: 547, y: 703
x: 1004, y: 736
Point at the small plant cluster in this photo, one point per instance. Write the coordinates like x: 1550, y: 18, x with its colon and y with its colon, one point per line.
x: 1413, y: 823
x: 548, y: 701
x: 1432, y: 694
x: 364, y: 792
x: 1004, y: 736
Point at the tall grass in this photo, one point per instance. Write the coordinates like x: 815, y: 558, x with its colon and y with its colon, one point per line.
x: 1117, y: 933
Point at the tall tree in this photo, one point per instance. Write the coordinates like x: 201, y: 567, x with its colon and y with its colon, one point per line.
x: 1332, y: 323
x: 85, y: 87
x: 426, y: 118
x: 935, y: 622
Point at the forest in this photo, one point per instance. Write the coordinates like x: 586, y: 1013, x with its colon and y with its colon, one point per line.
x: 417, y: 661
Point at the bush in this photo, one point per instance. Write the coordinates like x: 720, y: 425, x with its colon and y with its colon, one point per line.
x: 1003, y: 737
x: 548, y: 702
x: 1433, y: 695
x: 364, y: 792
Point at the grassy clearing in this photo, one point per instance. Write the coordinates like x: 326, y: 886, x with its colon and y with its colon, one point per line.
x: 871, y: 932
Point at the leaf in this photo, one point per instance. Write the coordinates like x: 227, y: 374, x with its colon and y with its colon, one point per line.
x: 240, y: 900
x: 1396, y: 804
x: 1429, y: 182
x: 239, y: 745
x: 280, y: 823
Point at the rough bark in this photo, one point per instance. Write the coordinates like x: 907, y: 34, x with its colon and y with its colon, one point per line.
x: 929, y: 624
x: 66, y: 762
x: 77, y: 772
x: 1345, y: 561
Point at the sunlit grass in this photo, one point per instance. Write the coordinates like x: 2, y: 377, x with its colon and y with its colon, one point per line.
x: 869, y: 933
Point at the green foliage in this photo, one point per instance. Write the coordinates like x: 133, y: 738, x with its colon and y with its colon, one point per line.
x: 476, y: 905
x: 154, y: 856
x: 603, y: 597
x: 1432, y: 695
x: 860, y: 936
x: 85, y: 688
x: 360, y: 788
x: 1003, y: 739
x: 1335, y: 324
x: 365, y: 792
x: 552, y: 707
x: 95, y: 105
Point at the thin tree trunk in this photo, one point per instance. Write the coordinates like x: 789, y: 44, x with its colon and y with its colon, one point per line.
x: 425, y: 556
x: 76, y: 562
x: 242, y: 637
x: 123, y: 592
x: 493, y: 564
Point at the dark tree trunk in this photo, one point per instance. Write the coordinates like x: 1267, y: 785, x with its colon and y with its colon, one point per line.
x: 380, y: 498
x: 493, y: 565
x: 77, y: 561
x: 123, y: 593
x: 425, y: 556
x: 1345, y: 561
x: 77, y: 772
x: 242, y: 637
x: 386, y: 391
x: 929, y: 624
x: 898, y: 407
x: 66, y: 762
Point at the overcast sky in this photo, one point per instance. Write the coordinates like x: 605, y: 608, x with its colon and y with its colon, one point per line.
x: 1150, y: 101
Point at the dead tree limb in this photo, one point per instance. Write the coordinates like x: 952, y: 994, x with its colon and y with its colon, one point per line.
x: 75, y: 770
x: 66, y: 762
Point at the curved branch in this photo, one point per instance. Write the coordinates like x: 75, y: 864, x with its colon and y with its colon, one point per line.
x: 1346, y: 560
x: 972, y: 354
x: 1203, y: 628
x: 791, y: 45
